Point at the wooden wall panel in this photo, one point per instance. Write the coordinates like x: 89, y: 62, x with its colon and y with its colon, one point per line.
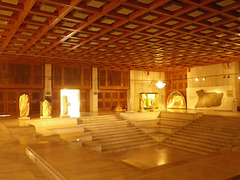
x: 21, y: 76
x: 109, y: 79
x: 176, y: 81
x: 71, y: 77
x: 9, y: 98
x: 111, y: 99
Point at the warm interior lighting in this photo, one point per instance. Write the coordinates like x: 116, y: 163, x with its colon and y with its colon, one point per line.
x: 160, y: 84
x: 203, y: 79
x: 73, y: 97
x: 196, y: 79
x: 238, y: 77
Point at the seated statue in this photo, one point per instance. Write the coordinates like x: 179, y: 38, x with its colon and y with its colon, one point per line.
x: 46, y: 108
x: 24, y: 106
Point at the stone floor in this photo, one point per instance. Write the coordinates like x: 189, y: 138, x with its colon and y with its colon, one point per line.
x: 74, y: 162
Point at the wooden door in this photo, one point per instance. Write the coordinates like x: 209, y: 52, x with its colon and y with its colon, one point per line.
x: 111, y: 99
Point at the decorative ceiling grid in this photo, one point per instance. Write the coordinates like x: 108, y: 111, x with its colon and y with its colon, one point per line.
x: 151, y: 35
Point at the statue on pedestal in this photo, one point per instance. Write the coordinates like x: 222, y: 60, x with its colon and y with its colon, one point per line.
x: 141, y: 103
x: 153, y: 106
x: 24, y: 106
x: 65, y: 105
x: 46, y: 108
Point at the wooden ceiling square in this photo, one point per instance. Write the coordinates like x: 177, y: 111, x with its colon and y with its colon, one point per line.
x: 80, y: 14
x: 145, y: 1
x: 108, y: 20
x: 224, y: 3
x: 173, y: 6
x: 6, y: 12
x: 39, y: 18
x: 95, y: 3
x: 13, y: 2
x: 116, y: 32
x: 149, y: 17
x: 196, y: 13
x: 48, y: 7
x: 125, y: 10
x: 4, y: 22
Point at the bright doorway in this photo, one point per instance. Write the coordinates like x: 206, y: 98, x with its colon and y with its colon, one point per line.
x: 73, y: 99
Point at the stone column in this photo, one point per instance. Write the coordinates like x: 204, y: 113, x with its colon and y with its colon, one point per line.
x: 94, y: 91
x: 48, y: 80
x: 131, y: 92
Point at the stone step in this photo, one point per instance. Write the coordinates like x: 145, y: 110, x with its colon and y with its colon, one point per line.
x: 96, y: 127
x: 197, y: 143
x: 221, y: 124
x: 174, y: 115
x: 191, y: 146
x: 115, y: 131
x: 205, y: 136
x: 120, y: 137
x: 125, y: 140
x: 221, y: 117
x: 174, y: 122
x: 199, y: 132
x: 94, y: 146
x: 142, y: 122
x: 209, y: 130
x: 132, y: 143
x: 110, y: 129
x: 219, y: 128
x: 104, y: 123
x: 160, y: 129
x: 159, y: 137
x: 200, y: 139
x: 67, y: 130
x: 118, y: 134
x: 192, y: 150
x: 125, y: 147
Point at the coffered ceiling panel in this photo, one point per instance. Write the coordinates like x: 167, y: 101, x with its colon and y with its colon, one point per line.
x: 151, y: 35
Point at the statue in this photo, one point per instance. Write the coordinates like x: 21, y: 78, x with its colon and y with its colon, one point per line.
x: 153, y: 105
x: 46, y: 108
x: 141, y: 103
x: 65, y: 105
x: 24, y: 106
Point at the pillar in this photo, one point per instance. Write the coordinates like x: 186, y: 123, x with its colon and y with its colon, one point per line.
x: 94, y: 91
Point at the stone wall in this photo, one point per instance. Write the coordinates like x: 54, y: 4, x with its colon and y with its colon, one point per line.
x: 144, y: 82
x: 220, y: 78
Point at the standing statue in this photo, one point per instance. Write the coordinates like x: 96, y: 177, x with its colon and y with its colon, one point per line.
x: 65, y: 105
x: 153, y: 105
x: 24, y: 106
x: 46, y: 108
x: 141, y: 103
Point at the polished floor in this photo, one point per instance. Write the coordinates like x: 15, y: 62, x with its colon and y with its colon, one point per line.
x: 74, y: 162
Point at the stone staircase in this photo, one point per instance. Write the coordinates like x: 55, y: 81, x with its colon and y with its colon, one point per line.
x: 208, y: 134
x: 165, y: 125
x: 114, y: 133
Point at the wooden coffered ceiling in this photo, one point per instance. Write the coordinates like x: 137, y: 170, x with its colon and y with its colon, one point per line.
x: 151, y: 35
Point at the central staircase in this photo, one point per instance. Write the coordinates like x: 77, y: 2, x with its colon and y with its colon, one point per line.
x: 207, y: 134
x: 114, y: 133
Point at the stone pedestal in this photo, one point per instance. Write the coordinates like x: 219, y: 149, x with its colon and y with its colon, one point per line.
x: 24, y: 118
x: 65, y: 116
x: 45, y: 117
